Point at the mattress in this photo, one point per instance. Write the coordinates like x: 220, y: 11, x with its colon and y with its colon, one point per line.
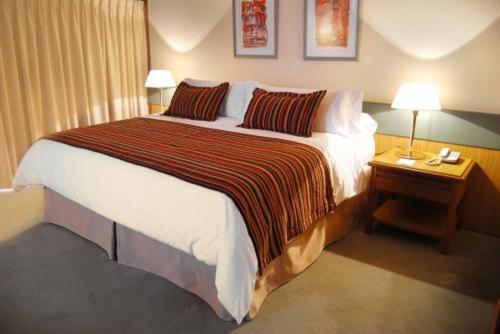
x: 196, y: 220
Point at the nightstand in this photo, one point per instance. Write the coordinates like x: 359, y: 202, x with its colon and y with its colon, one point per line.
x: 419, y: 198
x: 155, y: 108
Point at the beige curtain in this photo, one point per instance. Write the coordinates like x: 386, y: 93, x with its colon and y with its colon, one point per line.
x: 64, y: 64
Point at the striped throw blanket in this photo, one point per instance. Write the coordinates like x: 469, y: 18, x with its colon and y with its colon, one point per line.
x: 280, y: 187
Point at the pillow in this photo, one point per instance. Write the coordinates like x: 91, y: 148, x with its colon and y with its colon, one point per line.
x: 284, y: 112
x: 366, y: 125
x: 339, y: 112
x: 208, y: 83
x: 202, y: 83
x: 275, y: 89
x: 238, y: 97
x: 342, y: 115
x: 201, y: 103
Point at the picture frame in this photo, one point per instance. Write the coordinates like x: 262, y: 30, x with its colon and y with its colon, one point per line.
x: 331, y: 29
x: 255, y: 28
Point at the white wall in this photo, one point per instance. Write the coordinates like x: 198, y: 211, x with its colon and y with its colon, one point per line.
x: 454, y: 44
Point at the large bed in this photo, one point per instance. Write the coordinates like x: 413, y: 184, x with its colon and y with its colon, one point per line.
x: 192, y: 235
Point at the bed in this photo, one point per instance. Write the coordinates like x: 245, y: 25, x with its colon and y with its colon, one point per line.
x: 192, y: 235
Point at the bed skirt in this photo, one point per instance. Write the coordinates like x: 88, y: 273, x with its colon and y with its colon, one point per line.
x: 63, y: 212
x: 134, y: 249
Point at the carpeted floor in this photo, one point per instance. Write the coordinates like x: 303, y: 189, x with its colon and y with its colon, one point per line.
x: 52, y: 281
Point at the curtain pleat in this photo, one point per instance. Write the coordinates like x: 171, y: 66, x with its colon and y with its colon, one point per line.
x: 65, y: 64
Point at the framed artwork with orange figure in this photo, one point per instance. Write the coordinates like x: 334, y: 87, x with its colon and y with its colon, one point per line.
x: 255, y: 28
x: 331, y: 29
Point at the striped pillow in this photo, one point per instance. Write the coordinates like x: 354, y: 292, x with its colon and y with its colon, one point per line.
x: 201, y: 103
x: 285, y: 112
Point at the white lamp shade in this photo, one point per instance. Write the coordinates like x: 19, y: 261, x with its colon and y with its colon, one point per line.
x: 417, y: 96
x: 160, y: 79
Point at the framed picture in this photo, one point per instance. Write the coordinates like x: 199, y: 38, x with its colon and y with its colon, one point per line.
x: 255, y: 28
x: 331, y: 29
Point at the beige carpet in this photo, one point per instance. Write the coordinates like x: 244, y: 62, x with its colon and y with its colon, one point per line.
x: 390, y: 282
x: 52, y: 281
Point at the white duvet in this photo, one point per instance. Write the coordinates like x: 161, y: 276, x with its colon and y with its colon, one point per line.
x: 196, y: 220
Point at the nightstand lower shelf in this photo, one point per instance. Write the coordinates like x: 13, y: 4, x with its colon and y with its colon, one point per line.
x: 426, y: 220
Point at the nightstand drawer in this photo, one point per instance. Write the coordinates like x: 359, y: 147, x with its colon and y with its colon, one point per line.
x: 419, y: 187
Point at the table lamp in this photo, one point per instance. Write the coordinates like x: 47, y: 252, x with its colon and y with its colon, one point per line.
x: 160, y: 79
x: 415, y: 96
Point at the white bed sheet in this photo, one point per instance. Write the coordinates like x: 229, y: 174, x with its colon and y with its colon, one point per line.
x: 199, y: 221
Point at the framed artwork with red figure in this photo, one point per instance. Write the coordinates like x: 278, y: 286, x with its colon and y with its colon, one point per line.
x: 255, y: 28
x: 330, y: 29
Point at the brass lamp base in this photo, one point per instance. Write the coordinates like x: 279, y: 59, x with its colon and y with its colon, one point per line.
x: 407, y: 154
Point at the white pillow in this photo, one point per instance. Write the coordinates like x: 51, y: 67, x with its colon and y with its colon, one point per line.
x: 202, y: 83
x: 342, y: 115
x: 366, y: 125
x: 285, y: 89
x: 237, y: 99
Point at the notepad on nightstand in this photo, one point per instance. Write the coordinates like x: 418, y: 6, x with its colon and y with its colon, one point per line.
x: 406, y: 162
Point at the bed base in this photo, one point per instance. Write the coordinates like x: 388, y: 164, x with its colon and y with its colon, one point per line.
x: 134, y: 249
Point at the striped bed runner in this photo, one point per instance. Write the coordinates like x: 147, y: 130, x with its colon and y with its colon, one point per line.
x: 280, y: 187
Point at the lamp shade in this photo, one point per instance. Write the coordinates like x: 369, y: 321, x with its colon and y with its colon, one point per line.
x: 160, y: 79
x: 417, y: 96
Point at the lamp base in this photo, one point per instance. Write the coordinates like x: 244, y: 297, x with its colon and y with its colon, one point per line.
x: 413, y: 155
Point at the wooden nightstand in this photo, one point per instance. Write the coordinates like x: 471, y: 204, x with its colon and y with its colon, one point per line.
x: 155, y: 108
x: 422, y: 199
